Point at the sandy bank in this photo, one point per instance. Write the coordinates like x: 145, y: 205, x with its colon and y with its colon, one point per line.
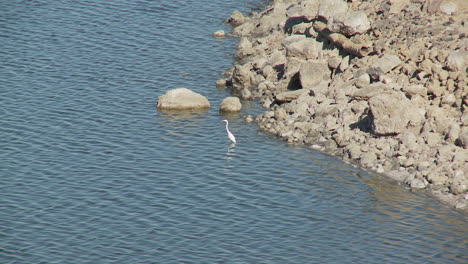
x: 379, y: 83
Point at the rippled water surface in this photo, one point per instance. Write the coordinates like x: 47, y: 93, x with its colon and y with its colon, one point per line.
x: 92, y: 173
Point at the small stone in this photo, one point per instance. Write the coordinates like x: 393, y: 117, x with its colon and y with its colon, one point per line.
x: 219, y: 34
x: 363, y: 80
x: 385, y: 79
x: 456, y: 60
x: 221, y: 83
x: 453, y: 132
x: 432, y: 139
x: 334, y: 62
x: 459, y: 182
x: 245, y: 93
x: 344, y: 64
x: 354, y: 151
x: 383, y: 65
x: 449, y: 99
x: 236, y: 19
x: 368, y: 159
x: 463, y: 138
x: 417, y: 184
x: 415, y: 90
x: 436, y: 178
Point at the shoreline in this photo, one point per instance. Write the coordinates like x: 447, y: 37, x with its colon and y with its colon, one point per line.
x: 380, y: 84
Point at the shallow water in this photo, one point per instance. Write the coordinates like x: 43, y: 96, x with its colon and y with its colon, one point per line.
x: 92, y: 173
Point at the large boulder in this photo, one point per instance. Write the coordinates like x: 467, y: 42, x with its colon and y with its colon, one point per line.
x: 230, y: 104
x: 182, y: 99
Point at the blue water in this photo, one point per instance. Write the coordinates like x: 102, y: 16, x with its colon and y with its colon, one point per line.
x: 90, y: 172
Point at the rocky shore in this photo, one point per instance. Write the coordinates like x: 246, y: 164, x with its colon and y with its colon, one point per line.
x: 379, y: 83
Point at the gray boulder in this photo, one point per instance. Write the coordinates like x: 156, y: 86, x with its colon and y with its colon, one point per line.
x: 182, y: 99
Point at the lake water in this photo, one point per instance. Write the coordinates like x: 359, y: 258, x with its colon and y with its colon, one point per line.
x: 92, y: 173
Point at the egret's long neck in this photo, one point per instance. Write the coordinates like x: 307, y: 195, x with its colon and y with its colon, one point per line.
x: 227, y: 126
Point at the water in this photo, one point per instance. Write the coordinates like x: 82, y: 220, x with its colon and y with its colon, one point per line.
x: 92, y: 173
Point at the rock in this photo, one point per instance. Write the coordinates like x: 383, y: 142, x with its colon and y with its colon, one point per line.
x: 344, y: 64
x: 290, y: 95
x: 464, y: 118
x: 244, y: 30
x: 350, y: 23
x: 368, y: 159
x: 417, y: 184
x: 268, y: 24
x: 383, y: 65
x: 390, y: 112
x: 277, y: 58
x: 182, y: 99
x: 221, y: 83
x: 244, y: 44
x: 242, y: 77
x: 363, y: 80
x: 409, y: 140
x: 312, y: 73
x: 370, y: 91
x: 453, y: 132
x: 436, y: 177
x: 334, y: 62
x: 219, y: 34
x: 249, y: 119
x: 415, y: 90
x: 307, y: 48
x: 245, y: 93
x: 397, y: 175
x: 354, y: 150
x: 330, y: 8
x: 230, y: 104
x: 463, y: 138
x: 236, y: 19
x: 448, y: 7
x: 432, y: 139
x: 459, y: 182
x: 456, y: 60
x: 397, y: 5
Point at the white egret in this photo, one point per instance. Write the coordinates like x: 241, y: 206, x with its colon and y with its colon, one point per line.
x: 230, y: 135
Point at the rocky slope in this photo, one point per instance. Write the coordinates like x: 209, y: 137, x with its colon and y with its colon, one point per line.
x: 380, y: 83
